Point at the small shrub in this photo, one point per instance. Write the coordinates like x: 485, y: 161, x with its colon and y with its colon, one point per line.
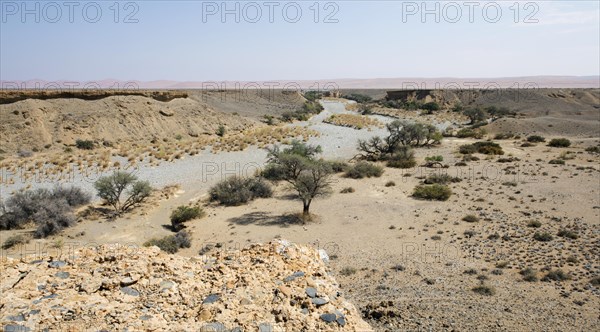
x: 469, y: 233
x: 269, y: 119
x: 237, y: 190
x: 436, y: 237
x: 470, y: 272
x: 470, y: 133
x: 364, y: 169
x: 403, y: 157
x: 166, y: 244
x: 529, y: 274
x: 559, y: 143
x: 273, y: 172
x: 398, y: 268
x: 527, y: 145
x: 595, y: 281
x: 484, y: 290
x: 15, y: 240
x: 494, y: 236
x: 470, y: 218
x: 221, y: 131
x: 50, y: 210
x: 347, y: 190
x: 259, y: 188
x: 509, y: 184
x: 171, y: 243
x: 489, y: 148
x: 534, y: 224
x: 390, y: 184
x: 432, y: 192
x: 543, y: 237
x: 568, y: 234
x: 556, y: 162
x: 183, y: 239
x: 467, y: 149
x: 441, y: 179
x: 504, y: 136
x: 556, y: 275
x: 348, y: 271
x: 535, y: 139
x: 430, y: 107
x: 434, y: 158
x: 469, y: 157
x: 339, y: 166
x: 84, y: 144
x: 184, y: 213
x: 74, y: 196
x: 501, y: 265
x: 593, y: 149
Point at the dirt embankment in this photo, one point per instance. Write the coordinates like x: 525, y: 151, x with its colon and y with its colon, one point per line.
x: 570, y: 112
x: 12, y: 96
x: 47, y: 120
x: 41, y: 125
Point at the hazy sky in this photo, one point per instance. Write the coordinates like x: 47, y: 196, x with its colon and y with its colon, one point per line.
x: 190, y: 41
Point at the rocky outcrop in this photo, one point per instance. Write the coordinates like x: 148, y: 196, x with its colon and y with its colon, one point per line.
x: 272, y: 287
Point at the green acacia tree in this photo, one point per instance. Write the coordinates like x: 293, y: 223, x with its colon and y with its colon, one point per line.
x: 122, y: 190
x: 308, y: 176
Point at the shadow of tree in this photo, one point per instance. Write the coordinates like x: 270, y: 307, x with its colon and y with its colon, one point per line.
x: 266, y: 219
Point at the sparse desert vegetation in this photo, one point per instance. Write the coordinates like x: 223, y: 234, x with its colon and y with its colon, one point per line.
x: 237, y: 190
x: 508, y: 216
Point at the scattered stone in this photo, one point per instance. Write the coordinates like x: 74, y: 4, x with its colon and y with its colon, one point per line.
x: 57, y: 264
x: 311, y: 292
x: 130, y: 291
x: 212, y: 298
x: 329, y: 318
x: 213, y: 327
x: 319, y: 301
x: 294, y: 276
x: 127, y: 281
x: 166, y: 284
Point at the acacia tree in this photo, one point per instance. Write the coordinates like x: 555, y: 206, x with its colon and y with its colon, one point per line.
x: 475, y: 114
x: 112, y: 187
x: 401, y: 133
x: 309, y: 177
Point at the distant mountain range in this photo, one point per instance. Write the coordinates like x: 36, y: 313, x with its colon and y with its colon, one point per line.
x: 321, y: 84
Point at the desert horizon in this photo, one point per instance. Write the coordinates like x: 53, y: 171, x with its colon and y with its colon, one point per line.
x: 424, y: 83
